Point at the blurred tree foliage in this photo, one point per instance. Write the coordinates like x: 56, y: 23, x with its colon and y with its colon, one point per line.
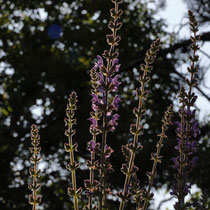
x: 46, y: 50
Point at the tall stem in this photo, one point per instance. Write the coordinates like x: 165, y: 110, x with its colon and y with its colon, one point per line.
x: 102, y: 199
x: 73, y: 173
x: 131, y: 162
x: 92, y: 173
x: 70, y: 148
x: 146, y: 201
x: 142, y: 94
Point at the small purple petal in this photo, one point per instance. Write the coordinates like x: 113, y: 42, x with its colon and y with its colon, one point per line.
x: 99, y: 63
x: 117, y: 68
x: 101, y: 80
x: 94, y: 122
x: 178, y: 124
x: 113, y: 123
x: 116, y: 102
x: 93, y: 144
x: 115, y: 61
x: 95, y: 99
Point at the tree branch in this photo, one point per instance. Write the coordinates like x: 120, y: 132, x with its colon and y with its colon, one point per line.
x: 181, y: 45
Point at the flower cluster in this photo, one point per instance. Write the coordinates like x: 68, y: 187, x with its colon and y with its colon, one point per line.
x: 35, y: 198
x: 187, y: 130
x: 105, y: 83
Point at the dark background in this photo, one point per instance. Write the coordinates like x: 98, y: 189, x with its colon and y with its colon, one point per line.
x: 40, y: 67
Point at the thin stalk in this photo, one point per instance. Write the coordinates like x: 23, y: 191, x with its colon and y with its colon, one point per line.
x: 92, y: 173
x: 102, y: 199
x: 73, y: 172
x: 34, y: 198
x: 146, y: 201
x: 35, y: 180
x: 131, y: 162
x: 181, y: 181
x: 70, y: 148
x: 156, y: 157
x: 149, y: 59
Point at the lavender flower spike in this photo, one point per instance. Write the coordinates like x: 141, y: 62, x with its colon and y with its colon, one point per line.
x: 187, y: 129
x: 105, y: 81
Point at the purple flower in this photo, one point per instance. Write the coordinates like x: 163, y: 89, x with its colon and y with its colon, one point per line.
x: 114, y: 105
x: 178, y: 124
x: 95, y: 102
x: 178, y: 142
x: 112, y: 123
x: 101, y: 79
x: 114, y: 83
x: 91, y: 146
x: 104, y: 102
x: 176, y: 162
x: 187, y: 189
x: 193, y: 162
x: 116, y: 102
x: 107, y: 151
x: 174, y: 190
x: 194, y: 99
x: 190, y: 113
x: 94, y: 122
x: 115, y: 67
x: 191, y: 147
x: 115, y: 62
x: 98, y: 63
x: 195, y: 129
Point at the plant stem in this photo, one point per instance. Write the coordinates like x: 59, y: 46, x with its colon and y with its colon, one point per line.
x: 34, y: 179
x: 73, y: 173
x: 135, y: 140
x: 92, y: 173
x: 102, y: 199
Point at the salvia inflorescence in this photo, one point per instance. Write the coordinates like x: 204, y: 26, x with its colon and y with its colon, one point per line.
x: 105, y: 80
x: 187, y: 129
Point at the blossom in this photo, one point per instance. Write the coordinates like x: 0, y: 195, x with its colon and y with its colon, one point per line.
x: 99, y: 63
x: 112, y: 123
x: 95, y: 102
x: 115, y: 66
x: 176, y: 162
x: 101, y: 79
x: 94, y: 122
x: 114, y: 83
x: 91, y: 146
x: 116, y: 102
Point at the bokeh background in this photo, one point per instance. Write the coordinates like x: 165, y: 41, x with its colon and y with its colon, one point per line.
x: 47, y: 48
